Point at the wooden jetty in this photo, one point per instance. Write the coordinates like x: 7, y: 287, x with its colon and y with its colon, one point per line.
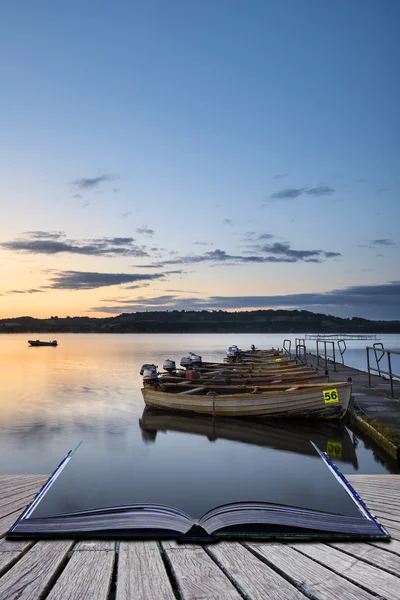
x: 124, y: 570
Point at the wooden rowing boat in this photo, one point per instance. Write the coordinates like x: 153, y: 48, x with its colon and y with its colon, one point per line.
x: 324, y: 401
x: 331, y: 437
x: 245, y: 380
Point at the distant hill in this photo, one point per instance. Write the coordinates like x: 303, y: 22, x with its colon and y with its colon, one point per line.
x: 218, y: 321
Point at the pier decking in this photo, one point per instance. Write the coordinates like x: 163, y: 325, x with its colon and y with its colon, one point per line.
x: 126, y: 570
x: 375, y: 401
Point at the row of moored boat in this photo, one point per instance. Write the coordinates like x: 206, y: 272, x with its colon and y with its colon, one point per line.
x: 258, y: 383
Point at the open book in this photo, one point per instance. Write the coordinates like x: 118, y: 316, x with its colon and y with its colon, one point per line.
x: 247, y: 518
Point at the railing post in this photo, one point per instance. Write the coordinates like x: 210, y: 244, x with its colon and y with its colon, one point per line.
x: 390, y: 374
x: 368, y: 366
x: 334, y: 356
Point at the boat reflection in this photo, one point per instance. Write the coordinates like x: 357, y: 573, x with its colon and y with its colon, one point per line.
x: 330, y: 437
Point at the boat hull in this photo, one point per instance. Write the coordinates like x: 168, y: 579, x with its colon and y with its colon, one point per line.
x: 39, y: 343
x: 310, y: 402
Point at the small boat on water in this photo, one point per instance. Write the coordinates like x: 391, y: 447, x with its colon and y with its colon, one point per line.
x: 309, y: 400
x: 39, y: 343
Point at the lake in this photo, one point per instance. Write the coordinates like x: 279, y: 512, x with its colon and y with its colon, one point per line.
x: 88, y: 388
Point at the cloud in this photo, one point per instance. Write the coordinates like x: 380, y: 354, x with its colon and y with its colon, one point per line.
x: 77, y: 196
x: 126, y: 214
x: 87, y: 183
x: 31, y: 291
x: 283, y: 249
x: 280, y: 175
x: 291, y: 193
x: 379, y: 298
x: 278, y: 253
x: 321, y: 190
x: 136, y: 286
x: 203, y: 244
x: 81, y: 280
x: 383, y: 242
x: 228, y: 222
x: 265, y: 236
x: 50, y: 243
x: 145, y: 231
x: 45, y: 235
x: 287, y: 193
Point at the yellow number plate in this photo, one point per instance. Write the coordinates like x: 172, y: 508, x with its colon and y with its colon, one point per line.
x: 278, y: 360
x: 330, y: 396
x: 334, y: 449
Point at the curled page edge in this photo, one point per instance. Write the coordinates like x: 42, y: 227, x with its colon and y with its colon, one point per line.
x: 349, y: 489
x: 31, y: 507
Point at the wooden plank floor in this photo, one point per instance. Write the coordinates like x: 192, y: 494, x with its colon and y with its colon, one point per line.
x: 108, y: 570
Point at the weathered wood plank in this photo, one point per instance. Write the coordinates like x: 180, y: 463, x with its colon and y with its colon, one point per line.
x: 18, y: 501
x: 13, y: 493
x: 251, y: 574
x: 391, y: 546
x: 307, y: 575
x: 32, y: 576
x: 6, y: 522
x: 87, y: 575
x: 141, y: 573
x: 17, y: 487
x: 10, y: 552
x: 198, y: 576
x: 370, y: 577
x: 95, y: 545
x: 376, y: 556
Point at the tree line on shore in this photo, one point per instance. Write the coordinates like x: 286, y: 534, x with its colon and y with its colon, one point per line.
x: 216, y: 321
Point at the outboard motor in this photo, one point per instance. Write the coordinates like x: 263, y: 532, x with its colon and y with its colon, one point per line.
x: 150, y: 375
x: 195, y: 358
x: 253, y: 348
x: 186, y: 362
x: 146, y: 366
x: 231, y: 353
x: 169, y: 365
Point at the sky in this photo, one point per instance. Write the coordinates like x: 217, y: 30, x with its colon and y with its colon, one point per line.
x: 199, y: 155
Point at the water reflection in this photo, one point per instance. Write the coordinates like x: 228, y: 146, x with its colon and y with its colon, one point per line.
x: 332, y: 438
x: 88, y: 388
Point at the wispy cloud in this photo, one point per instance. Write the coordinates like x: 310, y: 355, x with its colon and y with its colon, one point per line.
x: 45, y: 235
x: 145, y: 231
x: 291, y: 193
x: 81, y: 280
x: 383, y: 242
x: 287, y: 193
x: 228, y: 222
x: 88, y: 183
x: 52, y: 243
x: 322, y: 190
x: 126, y: 214
x: 30, y: 291
x: 276, y: 253
x: 280, y: 175
x: 203, y: 244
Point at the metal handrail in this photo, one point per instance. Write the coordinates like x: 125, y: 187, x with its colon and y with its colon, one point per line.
x: 340, y: 349
x: 326, y: 357
x: 304, y: 351
x: 378, y: 370
x: 290, y: 346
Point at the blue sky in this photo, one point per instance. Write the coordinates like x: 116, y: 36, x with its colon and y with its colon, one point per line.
x: 242, y: 155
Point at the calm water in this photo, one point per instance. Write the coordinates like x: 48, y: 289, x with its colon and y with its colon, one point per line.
x: 88, y: 388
